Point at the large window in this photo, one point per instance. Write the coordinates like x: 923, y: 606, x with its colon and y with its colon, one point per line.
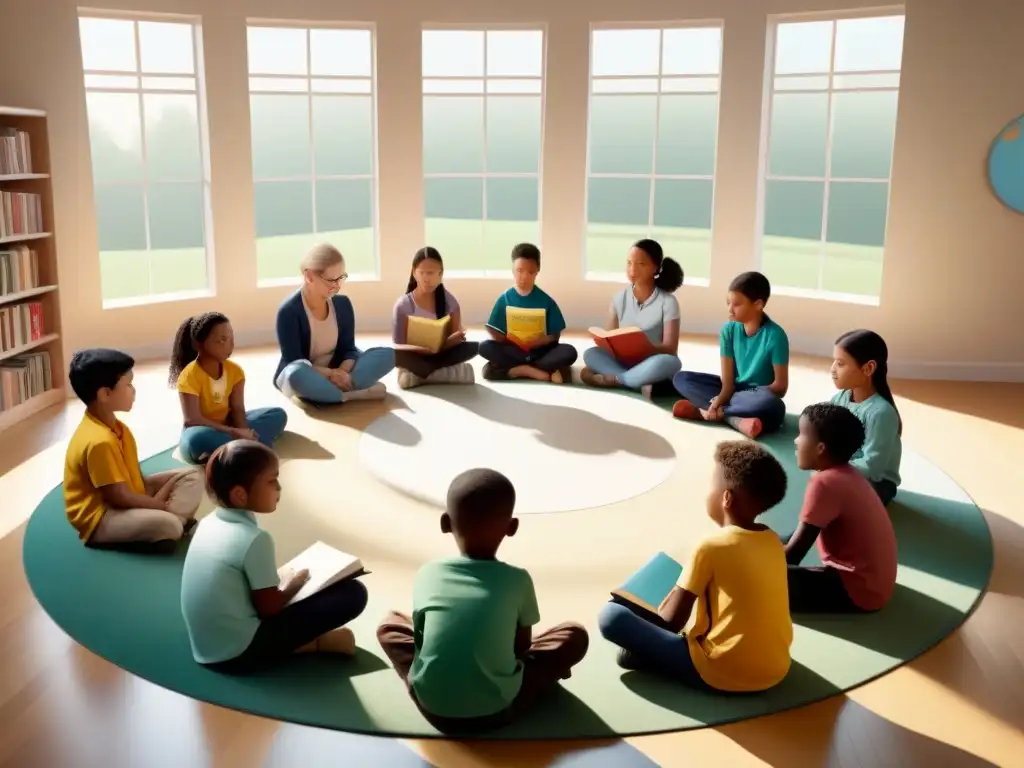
x: 482, y: 115
x: 313, y: 147
x: 147, y: 131
x: 834, y: 90
x: 652, y: 145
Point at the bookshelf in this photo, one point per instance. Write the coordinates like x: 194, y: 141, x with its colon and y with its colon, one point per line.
x: 29, y: 293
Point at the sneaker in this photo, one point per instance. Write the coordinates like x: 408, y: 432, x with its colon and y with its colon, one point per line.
x: 461, y: 373
x: 408, y: 379
x: 628, y: 660
x: 746, y: 426
x: 684, y: 409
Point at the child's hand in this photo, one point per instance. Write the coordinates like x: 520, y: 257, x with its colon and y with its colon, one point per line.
x: 163, y: 496
x: 293, y: 581
x: 456, y: 338
x: 244, y: 434
x: 341, y: 379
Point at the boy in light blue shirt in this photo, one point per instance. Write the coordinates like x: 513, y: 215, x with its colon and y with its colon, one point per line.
x: 543, y: 358
x: 755, y: 367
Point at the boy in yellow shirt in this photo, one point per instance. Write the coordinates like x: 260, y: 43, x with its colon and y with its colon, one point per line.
x: 107, y: 499
x: 736, y: 578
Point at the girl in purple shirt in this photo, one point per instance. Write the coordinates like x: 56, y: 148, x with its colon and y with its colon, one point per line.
x: 427, y: 297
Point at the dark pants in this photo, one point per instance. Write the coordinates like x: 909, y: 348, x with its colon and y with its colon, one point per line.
x: 652, y: 646
x: 745, y: 403
x: 298, y: 624
x: 818, y: 590
x: 504, y: 356
x: 551, y: 657
x: 886, y: 490
x: 424, y: 365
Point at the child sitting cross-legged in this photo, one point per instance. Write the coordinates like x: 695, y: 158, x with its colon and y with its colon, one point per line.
x: 843, y: 515
x: 542, y: 357
x: 211, y: 388
x: 736, y: 579
x: 754, y: 370
x: 107, y: 498
x: 234, y: 601
x: 468, y: 654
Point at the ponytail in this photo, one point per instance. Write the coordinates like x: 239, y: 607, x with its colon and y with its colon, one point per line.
x: 440, y: 299
x: 668, y: 274
x: 864, y: 347
x: 192, y: 332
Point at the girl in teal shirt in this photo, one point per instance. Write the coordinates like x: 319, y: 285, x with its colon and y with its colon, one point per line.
x: 860, y: 369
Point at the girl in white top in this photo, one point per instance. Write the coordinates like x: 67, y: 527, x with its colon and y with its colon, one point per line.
x: 646, y: 303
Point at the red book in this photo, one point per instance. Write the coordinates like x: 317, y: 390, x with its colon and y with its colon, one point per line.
x: 627, y: 345
x: 36, y: 309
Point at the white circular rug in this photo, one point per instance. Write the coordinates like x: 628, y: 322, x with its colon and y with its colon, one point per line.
x: 563, y: 447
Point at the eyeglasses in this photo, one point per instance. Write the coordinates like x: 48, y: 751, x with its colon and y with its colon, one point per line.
x: 335, y: 281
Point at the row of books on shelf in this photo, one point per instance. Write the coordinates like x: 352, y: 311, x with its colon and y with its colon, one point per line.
x: 19, y: 269
x: 21, y: 213
x: 20, y: 324
x: 24, y: 377
x: 15, y: 152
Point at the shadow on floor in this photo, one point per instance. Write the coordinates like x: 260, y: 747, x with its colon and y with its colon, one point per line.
x: 998, y: 402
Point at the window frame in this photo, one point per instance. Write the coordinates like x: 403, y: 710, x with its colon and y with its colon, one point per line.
x: 661, y: 26
x: 374, y: 176
x: 200, y: 95
x: 484, y: 175
x: 767, y: 109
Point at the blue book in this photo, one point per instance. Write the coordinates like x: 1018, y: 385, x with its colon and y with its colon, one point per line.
x: 646, y: 588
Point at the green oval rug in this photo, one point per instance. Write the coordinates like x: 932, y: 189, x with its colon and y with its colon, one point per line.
x: 125, y: 608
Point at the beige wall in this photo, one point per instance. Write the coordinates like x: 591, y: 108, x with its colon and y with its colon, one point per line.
x: 948, y: 239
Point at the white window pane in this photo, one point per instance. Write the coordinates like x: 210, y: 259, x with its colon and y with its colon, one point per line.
x: 515, y: 53
x: 172, y: 137
x: 626, y: 85
x: 802, y: 83
x: 344, y: 52
x: 849, y: 82
x: 279, y: 84
x: 689, y: 84
x: 277, y: 51
x: 169, y: 83
x: 167, y: 48
x: 625, y: 52
x: 803, y: 48
x: 111, y: 81
x: 280, y: 136
x: 342, y: 85
x: 863, y: 45
x: 453, y: 86
x: 692, y: 51
x: 514, y: 86
x: 108, y: 44
x: 115, y: 136
x: 453, y: 53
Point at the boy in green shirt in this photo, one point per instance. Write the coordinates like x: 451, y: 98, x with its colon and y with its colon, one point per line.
x: 468, y: 654
x: 755, y: 367
x: 544, y: 357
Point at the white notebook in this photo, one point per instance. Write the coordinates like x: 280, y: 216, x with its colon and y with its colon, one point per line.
x: 326, y: 566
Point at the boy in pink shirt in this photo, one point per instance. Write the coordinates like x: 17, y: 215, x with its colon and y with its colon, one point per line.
x: 844, y: 516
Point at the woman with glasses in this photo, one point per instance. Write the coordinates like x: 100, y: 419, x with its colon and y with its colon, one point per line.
x: 320, y: 362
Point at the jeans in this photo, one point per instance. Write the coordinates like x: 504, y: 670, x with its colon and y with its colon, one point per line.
x: 424, y: 365
x: 505, y: 356
x: 655, y: 648
x: 745, y: 403
x: 279, y: 636
x: 652, y: 370
x: 818, y: 590
x: 197, y: 443
x: 886, y: 490
x: 299, y: 379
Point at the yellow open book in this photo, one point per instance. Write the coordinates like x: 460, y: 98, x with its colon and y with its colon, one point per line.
x: 525, y: 324
x: 428, y: 332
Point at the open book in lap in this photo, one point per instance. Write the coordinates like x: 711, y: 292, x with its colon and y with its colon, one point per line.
x: 523, y: 325
x: 627, y: 345
x: 644, y: 590
x: 326, y: 566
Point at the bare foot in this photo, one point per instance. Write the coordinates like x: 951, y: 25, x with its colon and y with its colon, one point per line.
x: 529, y: 372
x: 587, y: 376
x: 647, y: 390
x: 340, y: 640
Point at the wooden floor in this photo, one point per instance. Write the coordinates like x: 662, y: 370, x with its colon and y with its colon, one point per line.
x: 961, y: 704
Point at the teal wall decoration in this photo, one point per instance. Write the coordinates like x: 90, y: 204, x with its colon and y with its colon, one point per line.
x: 1006, y: 165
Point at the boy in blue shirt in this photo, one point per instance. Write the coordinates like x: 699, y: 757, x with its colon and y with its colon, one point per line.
x: 468, y: 653
x: 755, y: 367
x: 542, y: 358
